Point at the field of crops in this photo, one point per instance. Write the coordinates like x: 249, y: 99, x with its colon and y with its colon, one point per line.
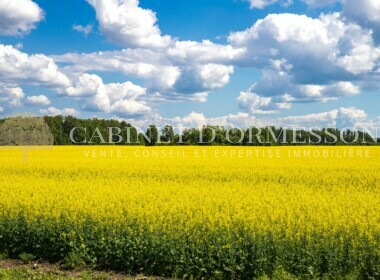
x: 224, y: 213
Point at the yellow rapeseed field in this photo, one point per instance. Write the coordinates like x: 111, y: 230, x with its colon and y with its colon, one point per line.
x: 212, y: 212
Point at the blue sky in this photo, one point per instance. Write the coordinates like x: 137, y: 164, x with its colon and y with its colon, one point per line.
x: 227, y: 62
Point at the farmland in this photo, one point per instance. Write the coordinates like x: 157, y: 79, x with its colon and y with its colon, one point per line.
x: 196, y: 214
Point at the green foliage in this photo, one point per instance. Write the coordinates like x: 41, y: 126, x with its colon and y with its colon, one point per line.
x: 205, y: 255
x: 151, y: 136
x: 25, y: 273
x: 21, y: 273
x: 168, y: 135
x: 60, y: 128
x: 4, y: 255
x: 26, y: 258
x: 74, y: 261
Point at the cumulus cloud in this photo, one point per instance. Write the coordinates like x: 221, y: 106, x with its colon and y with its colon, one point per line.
x: 279, y: 86
x: 18, y: 67
x: 339, y: 118
x: 350, y: 117
x: 296, y: 43
x: 323, y: 49
x: 365, y: 12
x: 302, y: 59
x: 255, y: 104
x: 122, y: 99
x: 191, y: 69
x: 19, y: 17
x: 305, y: 59
x: 202, y: 78
x: 10, y: 97
x: 37, y: 100
x: 178, y: 70
x: 92, y: 94
x: 129, y: 25
x: 52, y: 111
x: 203, y: 52
x: 369, y: 9
x: 214, y: 76
x: 145, y: 64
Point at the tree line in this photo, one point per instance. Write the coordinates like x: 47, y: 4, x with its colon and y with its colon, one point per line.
x: 74, y: 131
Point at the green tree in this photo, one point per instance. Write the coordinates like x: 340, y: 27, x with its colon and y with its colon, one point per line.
x: 168, y: 134
x: 152, y: 134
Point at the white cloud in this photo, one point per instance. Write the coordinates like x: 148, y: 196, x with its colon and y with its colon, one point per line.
x: 373, y: 125
x: 52, y: 111
x: 342, y: 117
x: 305, y: 59
x: 261, y: 4
x: 85, y: 85
x: 255, y: 104
x: 193, y: 120
x: 320, y: 3
x: 204, y: 52
x: 19, y: 17
x: 145, y: 64
x: 289, y: 43
x: 132, y: 107
x: 129, y: 25
x: 337, y: 118
x: 239, y: 120
x: 180, y: 71
x: 349, y: 117
x: 122, y: 99
x: 37, y: 100
x: 275, y: 92
x: 19, y: 67
x: 365, y: 12
x: 364, y: 9
x: 202, y: 78
x: 341, y: 50
x: 214, y: 76
x: 10, y: 96
x: 340, y: 89
x: 167, y: 66
x: 83, y: 29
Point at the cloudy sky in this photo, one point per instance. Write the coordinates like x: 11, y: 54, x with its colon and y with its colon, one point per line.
x: 192, y: 62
